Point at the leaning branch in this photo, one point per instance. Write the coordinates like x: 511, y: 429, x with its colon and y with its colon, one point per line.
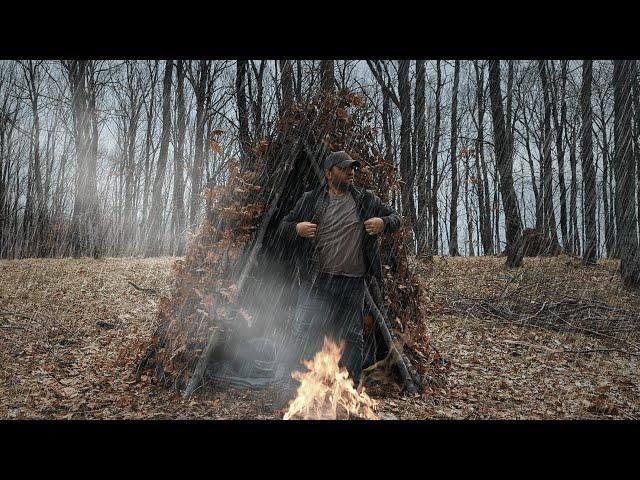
x: 402, y: 367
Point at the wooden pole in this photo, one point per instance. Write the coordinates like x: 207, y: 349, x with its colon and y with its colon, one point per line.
x: 402, y: 367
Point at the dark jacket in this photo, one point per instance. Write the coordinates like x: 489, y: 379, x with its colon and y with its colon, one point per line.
x: 310, y: 208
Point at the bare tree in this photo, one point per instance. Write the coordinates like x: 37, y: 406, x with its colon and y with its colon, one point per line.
x: 624, y: 167
x: 85, y: 207
x: 588, y: 169
x: 149, y: 148
x: 601, y: 117
x: 453, y: 218
x: 635, y: 82
x: 35, y: 216
x: 421, y: 157
x: 559, y: 123
x: 327, y: 76
x: 241, y: 99
x: 527, y: 114
x: 505, y: 165
x: 178, y: 216
x: 257, y: 103
x: 406, y: 172
x: 298, y: 82
x: 7, y: 127
x: 402, y: 100
x: 287, y: 84
x: 434, y: 160
x: 63, y: 192
x: 199, y: 80
x: 574, y: 235
x: 482, y: 184
x: 130, y: 97
x: 154, y: 239
x: 549, y: 219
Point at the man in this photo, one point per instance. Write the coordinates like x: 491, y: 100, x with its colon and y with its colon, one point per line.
x: 334, y: 231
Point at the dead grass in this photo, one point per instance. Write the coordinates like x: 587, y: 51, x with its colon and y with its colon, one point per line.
x: 72, y: 330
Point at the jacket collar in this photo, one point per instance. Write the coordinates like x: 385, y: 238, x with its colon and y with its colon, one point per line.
x: 356, y: 192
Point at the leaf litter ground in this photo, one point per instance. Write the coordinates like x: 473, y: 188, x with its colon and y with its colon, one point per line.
x: 72, y: 330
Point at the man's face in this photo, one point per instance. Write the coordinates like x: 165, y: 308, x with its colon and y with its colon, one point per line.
x: 340, y: 177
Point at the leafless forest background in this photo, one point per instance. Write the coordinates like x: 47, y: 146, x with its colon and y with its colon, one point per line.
x: 111, y: 158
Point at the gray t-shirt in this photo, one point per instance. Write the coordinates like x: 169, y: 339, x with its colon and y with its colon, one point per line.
x: 339, y: 238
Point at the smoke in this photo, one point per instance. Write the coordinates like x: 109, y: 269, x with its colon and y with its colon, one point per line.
x: 266, y: 350
x: 258, y: 350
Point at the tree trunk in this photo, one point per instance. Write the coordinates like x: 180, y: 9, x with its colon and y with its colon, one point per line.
x: 453, y: 213
x: 636, y: 130
x: 34, y: 218
x: 287, y: 84
x: 386, y: 128
x: 588, y: 169
x: 95, y: 234
x: 148, y: 155
x: 200, y: 87
x: 467, y: 206
x: 421, y: 156
x: 155, y: 232
x: 404, y: 95
x: 559, y: 126
x: 608, y: 224
x: 243, y: 113
x: 85, y: 187
x: 327, y: 76
x: 482, y: 184
x: 257, y: 104
x: 534, y: 185
x: 505, y: 166
x: 574, y: 237
x: 128, y: 169
x: 549, y: 220
x: 434, y: 162
x: 624, y: 166
x: 509, y: 113
x: 178, y: 217
x: 299, y: 80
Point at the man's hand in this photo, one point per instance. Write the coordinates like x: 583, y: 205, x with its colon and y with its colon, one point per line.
x: 374, y: 225
x: 306, y: 229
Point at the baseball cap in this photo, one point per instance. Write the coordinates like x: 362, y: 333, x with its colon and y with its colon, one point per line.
x: 341, y: 158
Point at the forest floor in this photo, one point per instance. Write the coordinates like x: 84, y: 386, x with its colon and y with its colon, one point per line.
x: 71, y: 331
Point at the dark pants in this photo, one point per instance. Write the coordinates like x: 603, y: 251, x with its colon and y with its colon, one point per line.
x: 329, y: 306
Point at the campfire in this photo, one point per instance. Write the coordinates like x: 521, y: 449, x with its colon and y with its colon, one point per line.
x: 326, y: 392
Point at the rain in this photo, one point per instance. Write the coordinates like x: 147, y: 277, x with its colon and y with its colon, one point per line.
x: 507, y: 195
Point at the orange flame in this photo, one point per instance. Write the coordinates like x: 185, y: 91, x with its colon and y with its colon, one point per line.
x: 326, y: 390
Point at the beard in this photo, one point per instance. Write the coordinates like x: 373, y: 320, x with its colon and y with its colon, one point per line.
x: 341, y: 186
